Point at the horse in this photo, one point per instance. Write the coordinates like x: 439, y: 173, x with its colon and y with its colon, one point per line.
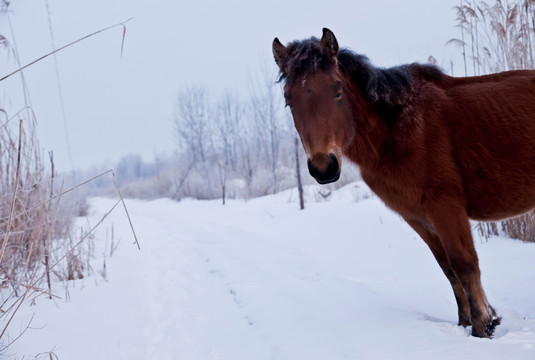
x: 438, y: 150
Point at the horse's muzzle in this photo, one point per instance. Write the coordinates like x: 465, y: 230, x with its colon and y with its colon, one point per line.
x: 325, y: 169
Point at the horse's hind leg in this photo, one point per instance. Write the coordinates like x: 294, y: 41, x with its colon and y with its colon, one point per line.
x: 451, y: 225
x: 426, y: 232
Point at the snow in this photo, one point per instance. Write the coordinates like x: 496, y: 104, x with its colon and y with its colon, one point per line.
x: 344, y: 279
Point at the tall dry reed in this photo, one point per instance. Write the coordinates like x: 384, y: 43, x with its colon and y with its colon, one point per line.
x: 39, y: 245
x: 497, y: 36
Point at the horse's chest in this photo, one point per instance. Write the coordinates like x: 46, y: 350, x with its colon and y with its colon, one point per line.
x: 404, y: 197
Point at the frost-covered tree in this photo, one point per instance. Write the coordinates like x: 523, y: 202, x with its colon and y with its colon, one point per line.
x: 270, y: 126
x: 191, y: 120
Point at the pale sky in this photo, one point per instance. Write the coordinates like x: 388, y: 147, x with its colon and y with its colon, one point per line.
x: 124, y: 105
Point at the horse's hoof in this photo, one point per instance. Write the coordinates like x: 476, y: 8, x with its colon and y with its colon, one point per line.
x: 492, y: 325
x: 489, y: 329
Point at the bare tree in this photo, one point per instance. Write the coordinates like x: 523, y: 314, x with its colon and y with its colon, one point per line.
x: 247, y: 154
x: 191, y: 118
x: 227, y: 138
x: 298, y: 174
x: 229, y: 121
x: 269, y: 125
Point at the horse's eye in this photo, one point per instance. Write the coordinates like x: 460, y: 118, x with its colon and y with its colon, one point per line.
x: 338, y: 96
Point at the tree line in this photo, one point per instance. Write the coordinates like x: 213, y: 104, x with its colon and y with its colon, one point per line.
x: 227, y: 146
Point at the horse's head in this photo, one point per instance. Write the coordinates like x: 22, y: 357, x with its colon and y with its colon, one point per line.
x: 317, y: 94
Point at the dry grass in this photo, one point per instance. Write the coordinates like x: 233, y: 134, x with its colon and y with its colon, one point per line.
x: 39, y: 245
x: 35, y: 230
x: 496, y: 36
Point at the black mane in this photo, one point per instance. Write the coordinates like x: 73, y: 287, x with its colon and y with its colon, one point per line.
x: 388, y: 89
x: 391, y: 87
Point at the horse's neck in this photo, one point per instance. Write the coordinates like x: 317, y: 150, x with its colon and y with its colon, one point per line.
x: 371, y: 141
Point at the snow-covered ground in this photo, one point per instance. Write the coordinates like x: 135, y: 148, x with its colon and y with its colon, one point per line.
x: 260, y: 279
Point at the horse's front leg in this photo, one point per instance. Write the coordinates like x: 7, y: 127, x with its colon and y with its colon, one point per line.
x: 451, y: 224
x: 426, y: 232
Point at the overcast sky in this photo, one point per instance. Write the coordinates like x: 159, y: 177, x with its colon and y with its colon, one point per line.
x: 124, y: 105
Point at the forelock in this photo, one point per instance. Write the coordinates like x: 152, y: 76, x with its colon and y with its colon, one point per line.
x: 302, y: 58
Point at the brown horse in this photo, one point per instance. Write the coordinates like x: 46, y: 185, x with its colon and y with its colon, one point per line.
x: 436, y: 149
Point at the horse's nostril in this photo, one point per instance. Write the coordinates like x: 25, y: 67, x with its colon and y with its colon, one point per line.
x: 325, y: 169
x: 311, y: 168
x: 334, y: 165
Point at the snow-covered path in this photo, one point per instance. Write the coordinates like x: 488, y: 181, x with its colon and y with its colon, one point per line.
x: 263, y: 280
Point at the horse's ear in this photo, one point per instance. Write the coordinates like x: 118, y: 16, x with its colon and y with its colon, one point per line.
x: 328, y: 41
x: 279, y: 51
